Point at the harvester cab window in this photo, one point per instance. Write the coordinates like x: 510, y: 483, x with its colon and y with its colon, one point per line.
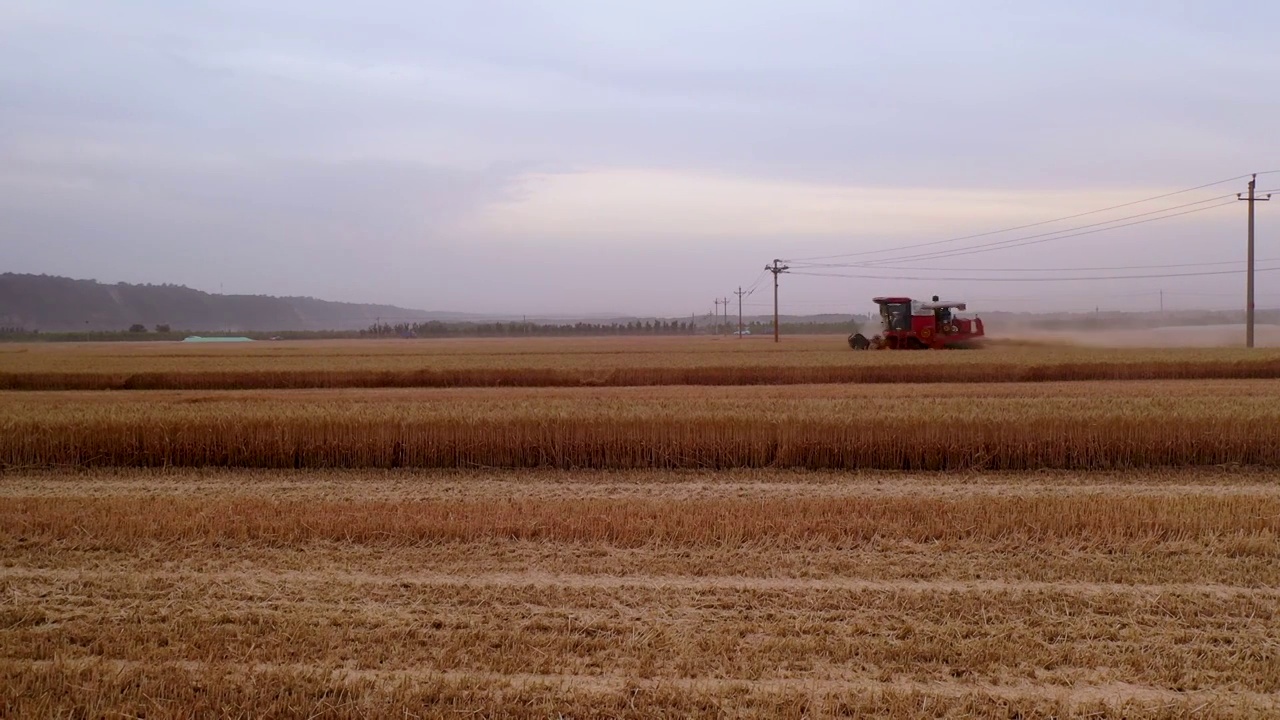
x: 897, y: 316
x: 944, y: 316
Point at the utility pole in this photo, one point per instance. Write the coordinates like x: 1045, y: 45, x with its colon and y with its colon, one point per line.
x: 725, y: 303
x: 777, y: 268
x: 740, y: 293
x: 1162, y: 303
x: 1248, y: 287
x: 717, y: 316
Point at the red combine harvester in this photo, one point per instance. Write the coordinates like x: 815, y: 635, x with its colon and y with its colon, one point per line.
x: 908, y: 324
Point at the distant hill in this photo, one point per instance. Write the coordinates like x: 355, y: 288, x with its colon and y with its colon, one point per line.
x: 49, y: 303
x: 54, y: 304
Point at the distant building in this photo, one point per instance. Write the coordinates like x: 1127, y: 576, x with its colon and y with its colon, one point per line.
x: 198, y: 339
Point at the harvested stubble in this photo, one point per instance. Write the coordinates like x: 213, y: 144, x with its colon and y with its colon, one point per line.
x: 602, y: 362
x: 1167, y: 528
x: 106, y: 689
x: 132, y: 598
x: 831, y: 427
x: 1184, y: 641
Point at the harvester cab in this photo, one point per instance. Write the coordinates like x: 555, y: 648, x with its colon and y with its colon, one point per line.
x: 907, y: 324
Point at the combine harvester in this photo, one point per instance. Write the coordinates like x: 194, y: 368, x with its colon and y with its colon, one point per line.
x: 907, y: 324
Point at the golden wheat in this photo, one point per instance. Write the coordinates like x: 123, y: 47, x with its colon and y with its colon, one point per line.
x: 598, y: 362
x: 1094, y: 520
x: 836, y: 427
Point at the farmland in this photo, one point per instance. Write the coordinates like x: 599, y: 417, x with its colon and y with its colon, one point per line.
x: 1108, y: 546
x: 556, y: 362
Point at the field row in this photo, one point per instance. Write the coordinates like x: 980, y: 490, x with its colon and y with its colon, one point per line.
x: 1162, y: 528
x: 550, y: 484
x: 550, y: 353
x: 1233, y: 524
x: 1074, y: 426
x: 850, y: 371
x: 112, y: 688
x: 590, y: 363
x: 1183, y: 641
x: 701, y: 594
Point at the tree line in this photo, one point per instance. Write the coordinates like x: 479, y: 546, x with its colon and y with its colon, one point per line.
x: 435, y: 328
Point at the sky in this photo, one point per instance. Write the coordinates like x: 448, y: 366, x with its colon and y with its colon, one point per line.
x: 585, y: 157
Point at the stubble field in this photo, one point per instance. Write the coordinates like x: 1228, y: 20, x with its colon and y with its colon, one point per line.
x: 1102, y: 548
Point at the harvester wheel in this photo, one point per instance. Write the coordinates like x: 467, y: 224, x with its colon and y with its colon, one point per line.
x: 858, y: 341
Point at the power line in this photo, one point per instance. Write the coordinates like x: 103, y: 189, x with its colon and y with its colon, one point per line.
x: 1214, y: 293
x: 1043, y: 269
x: 1028, y: 225
x: 1027, y: 279
x: 1038, y: 239
x: 756, y: 283
x: 808, y: 303
x: 1048, y: 235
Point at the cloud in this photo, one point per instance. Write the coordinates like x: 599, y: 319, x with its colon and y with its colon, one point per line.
x: 613, y: 203
x: 349, y: 151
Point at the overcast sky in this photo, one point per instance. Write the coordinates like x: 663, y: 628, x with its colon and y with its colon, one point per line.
x: 639, y: 157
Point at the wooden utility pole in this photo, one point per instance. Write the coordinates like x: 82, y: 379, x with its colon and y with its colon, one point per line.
x: 717, y: 316
x: 725, y: 302
x: 740, y: 292
x: 1248, y: 285
x: 777, y: 268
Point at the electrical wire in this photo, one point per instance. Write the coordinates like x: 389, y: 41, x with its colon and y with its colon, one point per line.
x: 1062, y: 234
x: 1044, y: 269
x: 756, y: 283
x: 1026, y: 226
x: 1030, y: 279
x: 1043, y: 238
x: 1013, y: 242
x: 1069, y: 296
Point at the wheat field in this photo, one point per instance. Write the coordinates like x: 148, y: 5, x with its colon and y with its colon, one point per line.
x: 938, y: 427
x: 635, y: 594
x: 590, y: 362
x: 619, y: 529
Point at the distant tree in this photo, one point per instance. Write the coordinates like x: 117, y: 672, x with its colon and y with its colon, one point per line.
x: 137, y: 328
x: 162, y: 328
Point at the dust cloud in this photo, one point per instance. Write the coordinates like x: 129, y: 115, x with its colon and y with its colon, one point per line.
x: 1192, y: 336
